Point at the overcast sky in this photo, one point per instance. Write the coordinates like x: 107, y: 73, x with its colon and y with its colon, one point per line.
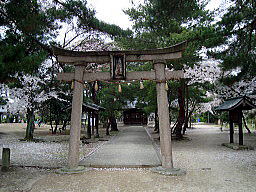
x: 111, y: 11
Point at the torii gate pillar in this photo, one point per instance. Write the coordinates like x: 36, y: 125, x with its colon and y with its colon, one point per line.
x: 163, y: 114
x: 75, y: 127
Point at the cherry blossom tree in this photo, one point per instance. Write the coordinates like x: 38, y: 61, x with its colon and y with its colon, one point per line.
x: 29, y: 95
x: 245, y: 87
x: 205, y: 71
x: 199, y: 80
x: 209, y: 72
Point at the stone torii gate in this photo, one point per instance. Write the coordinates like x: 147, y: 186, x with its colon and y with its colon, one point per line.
x: 118, y: 72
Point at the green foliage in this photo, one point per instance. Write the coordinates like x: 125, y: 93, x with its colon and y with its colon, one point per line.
x: 164, y: 23
x: 15, y: 57
x: 147, y: 97
x: 27, y: 17
x: 235, y: 39
x: 164, y: 16
x: 30, y: 26
x: 56, y: 110
x: 27, y: 27
x: 112, y: 100
x: 2, y: 101
x: 115, y: 102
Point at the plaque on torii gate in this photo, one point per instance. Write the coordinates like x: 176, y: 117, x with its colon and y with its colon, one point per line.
x: 118, y: 72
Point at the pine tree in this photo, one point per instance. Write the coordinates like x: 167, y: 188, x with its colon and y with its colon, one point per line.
x: 164, y: 23
x: 31, y: 26
x: 234, y: 40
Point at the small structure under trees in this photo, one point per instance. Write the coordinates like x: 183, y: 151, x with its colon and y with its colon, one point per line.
x: 92, y: 111
x: 135, y: 116
x: 93, y: 118
x: 235, y: 107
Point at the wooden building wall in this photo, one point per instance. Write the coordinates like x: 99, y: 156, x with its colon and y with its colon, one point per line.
x: 135, y: 117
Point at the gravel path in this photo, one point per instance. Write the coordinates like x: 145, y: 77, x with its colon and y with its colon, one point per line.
x: 209, y: 166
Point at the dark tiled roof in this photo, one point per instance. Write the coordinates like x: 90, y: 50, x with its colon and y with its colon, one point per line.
x: 243, y: 103
x: 93, y: 106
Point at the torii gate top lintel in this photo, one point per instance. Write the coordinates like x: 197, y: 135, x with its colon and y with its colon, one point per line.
x: 74, y: 57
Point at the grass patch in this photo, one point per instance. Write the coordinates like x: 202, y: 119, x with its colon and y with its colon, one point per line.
x: 236, y: 146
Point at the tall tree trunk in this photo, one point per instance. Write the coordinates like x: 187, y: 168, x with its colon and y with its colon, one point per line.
x: 50, y: 111
x: 94, y: 114
x: 221, y: 125
x: 30, y: 124
x: 89, y: 134
x: 113, y: 123
x: 188, y: 120
x: 97, y: 125
x: 187, y: 110
x: 64, y: 125
x: 245, y: 125
x: 188, y: 117
x: 255, y: 123
x: 107, y: 127
x: 51, y: 125
x: 56, y: 127
x: 93, y: 122
x: 8, y: 118
x: 156, y: 122
x: 181, y: 117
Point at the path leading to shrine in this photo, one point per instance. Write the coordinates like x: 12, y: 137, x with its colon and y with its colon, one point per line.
x: 131, y: 147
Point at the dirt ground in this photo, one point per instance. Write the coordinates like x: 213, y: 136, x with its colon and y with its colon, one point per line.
x: 209, y: 167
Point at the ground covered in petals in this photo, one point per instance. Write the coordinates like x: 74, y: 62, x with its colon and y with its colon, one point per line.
x: 209, y: 166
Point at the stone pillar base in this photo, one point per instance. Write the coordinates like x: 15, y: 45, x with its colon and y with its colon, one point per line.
x: 6, y: 159
x: 168, y: 171
x: 79, y: 169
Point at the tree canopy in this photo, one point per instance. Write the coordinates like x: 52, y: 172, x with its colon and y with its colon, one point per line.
x: 30, y: 26
x: 234, y: 41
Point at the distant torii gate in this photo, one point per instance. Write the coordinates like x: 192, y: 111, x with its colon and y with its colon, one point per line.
x: 118, y: 72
